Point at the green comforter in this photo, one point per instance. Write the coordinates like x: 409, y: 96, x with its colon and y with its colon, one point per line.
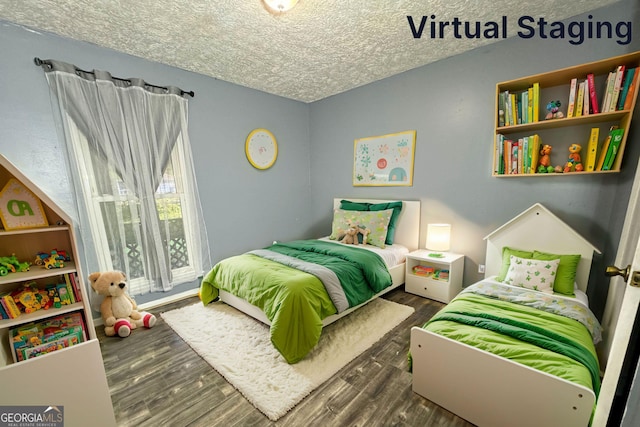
x: 294, y: 300
x: 553, y: 343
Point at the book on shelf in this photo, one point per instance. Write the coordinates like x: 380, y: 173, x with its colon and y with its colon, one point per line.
x: 592, y: 150
x: 612, y: 150
x: 632, y: 90
x: 628, y: 78
x: 617, y: 85
x: 514, y: 108
x: 530, y: 105
x: 38, y: 338
x: 593, y: 98
x: 608, y: 92
x: 70, y: 290
x: 536, y: 102
x: 501, y: 110
x: 76, y: 286
x: 604, y: 149
x: 572, y: 98
x: 586, y: 107
x: 579, y: 100
x: 9, y: 305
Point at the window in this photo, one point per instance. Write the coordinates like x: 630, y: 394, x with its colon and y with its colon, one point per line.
x: 117, y: 219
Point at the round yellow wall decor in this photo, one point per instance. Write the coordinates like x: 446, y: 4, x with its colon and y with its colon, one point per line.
x: 261, y: 148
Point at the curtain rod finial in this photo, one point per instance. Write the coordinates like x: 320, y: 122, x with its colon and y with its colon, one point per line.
x: 38, y: 61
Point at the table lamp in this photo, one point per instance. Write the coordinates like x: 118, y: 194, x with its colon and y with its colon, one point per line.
x: 438, y: 239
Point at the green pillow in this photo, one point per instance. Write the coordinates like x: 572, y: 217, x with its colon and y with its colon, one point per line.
x: 365, y: 206
x: 566, y: 274
x: 348, y: 205
x: 506, y: 260
x: 376, y: 222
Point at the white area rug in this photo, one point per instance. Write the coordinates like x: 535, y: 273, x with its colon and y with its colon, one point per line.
x: 239, y: 348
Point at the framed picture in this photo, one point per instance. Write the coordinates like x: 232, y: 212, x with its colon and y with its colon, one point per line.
x: 20, y: 208
x: 384, y: 160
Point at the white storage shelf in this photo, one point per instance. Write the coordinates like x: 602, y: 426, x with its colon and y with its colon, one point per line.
x: 434, y: 286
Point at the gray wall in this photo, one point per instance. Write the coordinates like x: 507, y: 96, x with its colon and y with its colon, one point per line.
x: 450, y: 105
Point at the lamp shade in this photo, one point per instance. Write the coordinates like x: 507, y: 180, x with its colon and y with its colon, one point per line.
x: 438, y: 237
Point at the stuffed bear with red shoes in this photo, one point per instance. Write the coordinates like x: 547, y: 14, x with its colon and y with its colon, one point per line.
x: 118, y: 309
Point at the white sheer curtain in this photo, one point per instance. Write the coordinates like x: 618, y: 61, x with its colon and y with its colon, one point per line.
x: 132, y: 171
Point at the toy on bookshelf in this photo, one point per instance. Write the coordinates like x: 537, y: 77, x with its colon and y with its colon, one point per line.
x: 544, y: 163
x: 553, y: 110
x: 574, y: 164
x: 11, y: 264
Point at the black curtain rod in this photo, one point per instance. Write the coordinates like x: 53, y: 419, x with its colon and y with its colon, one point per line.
x: 191, y: 93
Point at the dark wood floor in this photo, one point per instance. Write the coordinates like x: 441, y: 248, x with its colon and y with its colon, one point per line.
x: 156, y: 379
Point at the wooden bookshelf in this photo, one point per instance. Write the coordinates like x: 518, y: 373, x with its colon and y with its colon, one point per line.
x: 560, y: 133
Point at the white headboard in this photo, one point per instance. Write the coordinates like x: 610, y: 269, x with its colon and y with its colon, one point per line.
x: 538, y: 229
x: 408, y: 225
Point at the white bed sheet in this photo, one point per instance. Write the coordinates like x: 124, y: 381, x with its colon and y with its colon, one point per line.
x: 392, y: 255
x: 580, y: 295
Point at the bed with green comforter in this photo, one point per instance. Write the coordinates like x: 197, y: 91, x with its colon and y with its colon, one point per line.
x: 549, y: 333
x: 297, y: 284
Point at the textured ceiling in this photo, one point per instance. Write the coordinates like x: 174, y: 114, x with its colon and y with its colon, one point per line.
x: 320, y: 48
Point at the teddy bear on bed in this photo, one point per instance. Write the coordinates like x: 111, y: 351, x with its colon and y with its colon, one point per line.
x: 351, y: 235
x: 118, y: 309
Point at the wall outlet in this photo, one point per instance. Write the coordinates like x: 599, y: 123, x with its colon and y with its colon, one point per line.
x: 481, y: 268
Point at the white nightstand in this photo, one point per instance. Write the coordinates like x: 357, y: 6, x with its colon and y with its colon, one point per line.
x: 432, y: 283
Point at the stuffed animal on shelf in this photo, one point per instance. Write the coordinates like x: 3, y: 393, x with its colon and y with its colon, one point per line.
x: 574, y: 164
x: 553, y: 110
x: 118, y: 309
x: 544, y: 164
x: 351, y: 235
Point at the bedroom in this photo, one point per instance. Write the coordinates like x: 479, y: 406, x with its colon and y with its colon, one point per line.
x: 445, y: 102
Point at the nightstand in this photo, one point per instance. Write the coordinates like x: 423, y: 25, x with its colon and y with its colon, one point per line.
x: 439, y: 278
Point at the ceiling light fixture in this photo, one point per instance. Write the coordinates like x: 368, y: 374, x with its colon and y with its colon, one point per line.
x: 279, y: 6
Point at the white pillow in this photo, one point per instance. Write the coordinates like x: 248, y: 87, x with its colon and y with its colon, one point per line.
x: 533, y: 274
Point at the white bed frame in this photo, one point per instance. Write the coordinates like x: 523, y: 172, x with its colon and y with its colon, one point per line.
x: 407, y: 234
x: 488, y: 390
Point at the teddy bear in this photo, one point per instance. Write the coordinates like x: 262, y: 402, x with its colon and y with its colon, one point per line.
x: 118, y: 309
x: 574, y: 164
x: 351, y: 236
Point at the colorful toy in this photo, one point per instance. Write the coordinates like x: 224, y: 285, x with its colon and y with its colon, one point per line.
x: 544, y: 164
x: 553, y: 108
x: 11, y: 264
x: 574, y: 164
x: 118, y: 309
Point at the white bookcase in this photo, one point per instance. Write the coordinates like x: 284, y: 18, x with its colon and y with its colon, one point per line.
x: 72, y: 377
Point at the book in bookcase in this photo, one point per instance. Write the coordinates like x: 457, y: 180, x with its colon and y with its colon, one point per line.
x: 628, y: 79
x: 592, y: 150
x: 572, y: 97
x: 612, y: 150
x: 593, y: 97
